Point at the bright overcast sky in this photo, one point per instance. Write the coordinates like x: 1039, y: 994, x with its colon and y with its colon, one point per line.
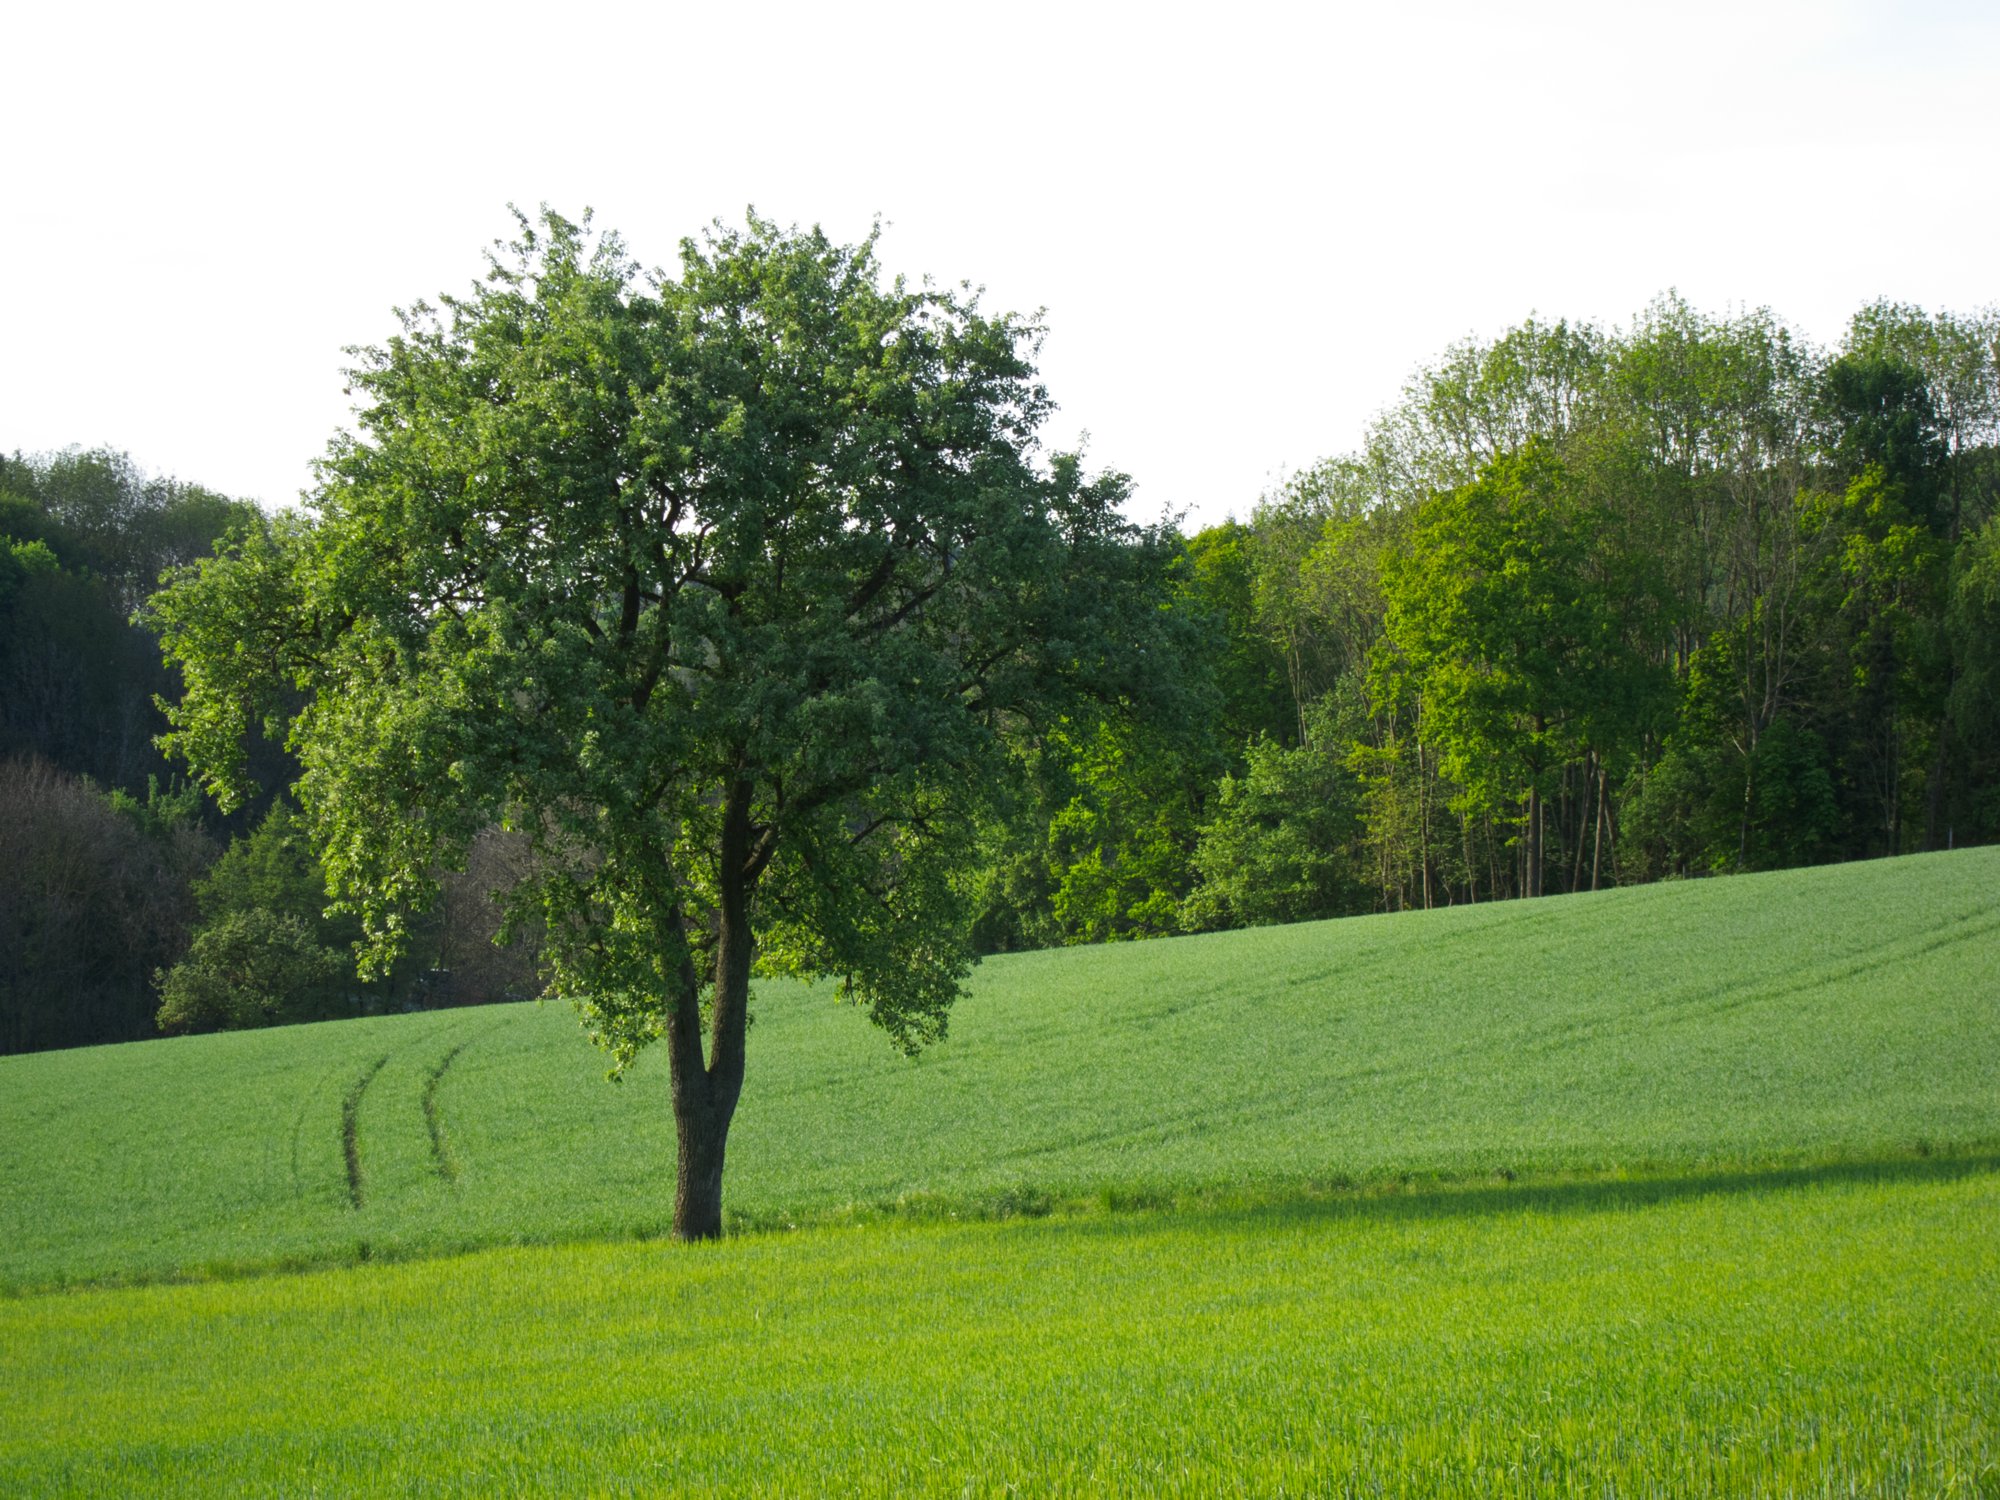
x: 1247, y: 223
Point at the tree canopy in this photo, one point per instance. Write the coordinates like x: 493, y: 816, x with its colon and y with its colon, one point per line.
x: 720, y: 587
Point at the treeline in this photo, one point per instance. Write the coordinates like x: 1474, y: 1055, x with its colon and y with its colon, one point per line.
x: 1590, y: 607
x: 129, y: 905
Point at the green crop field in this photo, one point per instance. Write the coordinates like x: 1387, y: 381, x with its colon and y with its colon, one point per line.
x: 1766, y: 1334
x: 1842, y: 1012
x: 1674, y: 1190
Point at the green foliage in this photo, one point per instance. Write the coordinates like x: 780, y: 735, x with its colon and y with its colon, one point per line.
x: 1957, y: 357
x: 163, y: 811
x: 272, y: 869
x: 1118, y: 849
x: 20, y: 518
x: 1975, y: 691
x: 1884, y: 419
x: 1010, y: 885
x: 714, y: 589
x: 1275, y: 846
x: 20, y: 561
x: 1219, y: 579
x: 1714, y: 801
x: 1092, y: 841
x: 1509, y: 633
x: 248, y: 968
x: 1546, y: 549
x: 83, y: 536
x: 268, y: 951
x: 105, y: 516
x: 1536, y: 383
x: 1882, y: 588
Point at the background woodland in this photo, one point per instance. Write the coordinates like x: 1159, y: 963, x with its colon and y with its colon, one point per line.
x: 1590, y: 607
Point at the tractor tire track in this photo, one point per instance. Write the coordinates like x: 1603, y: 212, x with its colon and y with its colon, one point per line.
x: 310, y: 1097
x: 350, y: 1122
x: 443, y: 1158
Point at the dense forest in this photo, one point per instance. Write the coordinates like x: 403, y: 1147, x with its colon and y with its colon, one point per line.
x: 1590, y: 607
x: 128, y: 904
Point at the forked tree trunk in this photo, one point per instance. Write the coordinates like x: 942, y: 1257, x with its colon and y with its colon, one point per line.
x: 704, y: 1104
x: 705, y: 1089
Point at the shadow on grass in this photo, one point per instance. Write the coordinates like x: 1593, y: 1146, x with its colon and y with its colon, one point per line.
x: 1609, y: 1193
x: 1137, y: 1208
x: 1392, y: 1199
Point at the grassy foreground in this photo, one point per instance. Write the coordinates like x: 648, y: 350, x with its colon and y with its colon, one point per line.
x: 1755, y: 1249
x: 1781, y: 1333
x: 1842, y: 1013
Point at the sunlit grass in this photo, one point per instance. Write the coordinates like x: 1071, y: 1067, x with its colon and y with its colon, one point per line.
x: 1730, y: 1332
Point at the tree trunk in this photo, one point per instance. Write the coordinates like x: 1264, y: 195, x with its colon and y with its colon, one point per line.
x: 1534, y: 872
x: 703, y: 1109
x: 1576, y: 825
x: 701, y: 1120
x: 1934, y: 791
x: 1893, y: 791
x: 698, y: 1182
x: 1597, y: 839
x: 1749, y: 805
x: 1424, y: 824
x: 705, y: 1091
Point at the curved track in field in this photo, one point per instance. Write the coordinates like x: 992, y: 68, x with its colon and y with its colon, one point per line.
x: 350, y: 1122
x: 443, y: 1158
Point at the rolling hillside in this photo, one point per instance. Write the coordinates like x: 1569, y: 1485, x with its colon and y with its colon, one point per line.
x: 1842, y: 1013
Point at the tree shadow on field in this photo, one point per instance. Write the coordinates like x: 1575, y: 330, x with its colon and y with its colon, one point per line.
x: 1413, y: 1199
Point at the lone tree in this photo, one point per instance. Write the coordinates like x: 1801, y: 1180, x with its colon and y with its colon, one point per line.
x: 723, y: 587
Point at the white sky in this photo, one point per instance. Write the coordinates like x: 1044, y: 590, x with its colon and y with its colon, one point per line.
x: 1247, y: 223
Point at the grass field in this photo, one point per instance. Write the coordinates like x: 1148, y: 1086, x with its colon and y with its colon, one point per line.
x: 1682, y: 1190
x: 1835, y: 1013
x: 1736, y: 1333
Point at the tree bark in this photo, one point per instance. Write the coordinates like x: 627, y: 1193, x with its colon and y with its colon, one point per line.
x: 701, y: 1130
x: 1934, y: 792
x: 1423, y: 825
x: 1597, y: 839
x: 1533, y: 879
x: 698, y: 1181
x: 1534, y: 871
x: 705, y: 1092
x: 1535, y: 849
x: 1576, y: 870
